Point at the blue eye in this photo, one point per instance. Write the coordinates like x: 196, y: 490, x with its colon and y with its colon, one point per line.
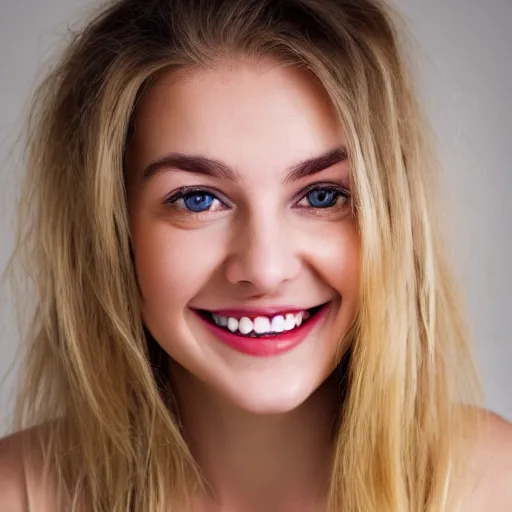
x: 322, y: 197
x: 195, y: 201
x: 198, y: 201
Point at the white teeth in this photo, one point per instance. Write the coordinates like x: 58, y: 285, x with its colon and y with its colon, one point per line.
x: 277, y: 324
x: 232, y: 324
x: 245, y: 325
x: 289, y: 322
x: 261, y: 325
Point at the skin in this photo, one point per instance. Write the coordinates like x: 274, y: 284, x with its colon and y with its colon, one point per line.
x: 264, y: 250
x: 259, y: 427
x: 267, y: 248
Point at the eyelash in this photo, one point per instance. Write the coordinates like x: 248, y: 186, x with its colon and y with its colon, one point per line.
x: 324, y: 187
x: 186, y: 192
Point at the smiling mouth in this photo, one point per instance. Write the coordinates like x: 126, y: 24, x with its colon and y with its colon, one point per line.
x: 261, y: 326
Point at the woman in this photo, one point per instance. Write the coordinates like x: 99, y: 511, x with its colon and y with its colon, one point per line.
x: 244, y: 304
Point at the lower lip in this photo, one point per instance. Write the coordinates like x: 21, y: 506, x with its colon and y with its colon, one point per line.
x: 266, y: 346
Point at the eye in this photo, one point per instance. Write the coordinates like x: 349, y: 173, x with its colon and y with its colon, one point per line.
x: 322, y: 197
x: 195, y: 200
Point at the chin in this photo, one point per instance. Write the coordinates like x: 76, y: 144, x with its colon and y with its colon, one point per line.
x: 262, y: 399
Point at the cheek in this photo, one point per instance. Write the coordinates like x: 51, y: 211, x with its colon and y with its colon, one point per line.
x: 337, y: 259
x: 172, y: 265
x: 340, y: 267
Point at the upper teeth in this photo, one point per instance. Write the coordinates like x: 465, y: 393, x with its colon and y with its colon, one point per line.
x: 261, y: 324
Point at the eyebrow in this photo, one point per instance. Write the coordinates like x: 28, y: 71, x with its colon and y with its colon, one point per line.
x: 201, y: 165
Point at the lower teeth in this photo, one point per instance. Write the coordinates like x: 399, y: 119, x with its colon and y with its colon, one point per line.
x: 256, y: 335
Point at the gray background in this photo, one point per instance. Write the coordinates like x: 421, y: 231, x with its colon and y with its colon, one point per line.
x: 465, y: 72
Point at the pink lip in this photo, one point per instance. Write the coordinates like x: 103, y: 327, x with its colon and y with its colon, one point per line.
x: 266, y: 346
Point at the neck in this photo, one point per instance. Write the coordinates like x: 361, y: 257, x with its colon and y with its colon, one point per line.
x: 260, y: 460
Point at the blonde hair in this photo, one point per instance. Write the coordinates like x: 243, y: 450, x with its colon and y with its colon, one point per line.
x: 94, y: 378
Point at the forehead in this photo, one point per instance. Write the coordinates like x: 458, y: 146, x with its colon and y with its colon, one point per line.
x: 245, y: 113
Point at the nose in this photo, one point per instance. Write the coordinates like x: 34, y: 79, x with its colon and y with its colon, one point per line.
x: 263, y: 255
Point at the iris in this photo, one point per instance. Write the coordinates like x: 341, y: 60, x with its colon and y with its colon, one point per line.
x: 198, y: 201
x: 322, y: 197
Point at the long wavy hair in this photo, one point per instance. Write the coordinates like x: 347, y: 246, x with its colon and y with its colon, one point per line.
x: 95, y: 382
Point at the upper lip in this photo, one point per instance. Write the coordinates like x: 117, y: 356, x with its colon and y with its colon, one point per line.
x: 261, y: 311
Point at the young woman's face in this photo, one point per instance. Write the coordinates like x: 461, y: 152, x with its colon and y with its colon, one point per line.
x: 246, y: 249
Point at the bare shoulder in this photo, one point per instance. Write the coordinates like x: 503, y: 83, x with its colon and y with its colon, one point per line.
x: 13, y: 495
x: 23, y: 485
x: 492, y: 467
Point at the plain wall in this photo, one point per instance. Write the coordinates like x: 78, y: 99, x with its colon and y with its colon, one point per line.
x: 465, y: 72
